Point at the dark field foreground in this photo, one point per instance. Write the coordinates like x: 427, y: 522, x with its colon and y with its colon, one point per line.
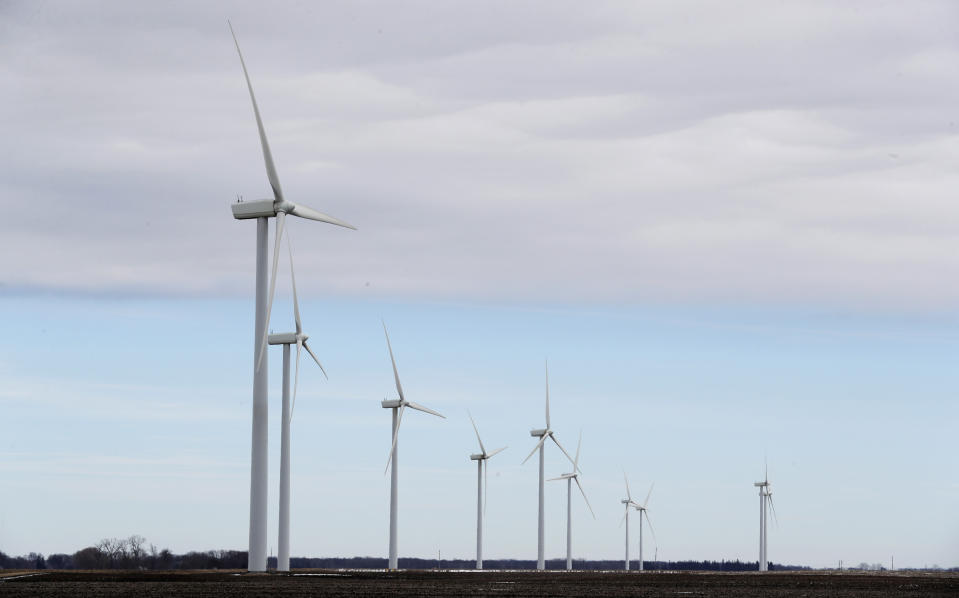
x: 223, y: 584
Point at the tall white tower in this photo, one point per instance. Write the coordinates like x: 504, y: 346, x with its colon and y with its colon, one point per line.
x: 765, y: 500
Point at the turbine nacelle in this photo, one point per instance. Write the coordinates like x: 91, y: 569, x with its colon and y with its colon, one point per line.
x: 261, y: 208
x: 286, y: 338
x: 540, y: 433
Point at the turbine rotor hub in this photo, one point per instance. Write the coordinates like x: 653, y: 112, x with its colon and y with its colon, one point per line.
x: 281, y: 205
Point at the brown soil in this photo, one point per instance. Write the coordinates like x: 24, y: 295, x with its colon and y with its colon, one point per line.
x: 223, y: 584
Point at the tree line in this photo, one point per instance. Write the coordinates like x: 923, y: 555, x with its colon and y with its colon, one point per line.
x: 127, y: 553
x: 136, y: 553
x: 519, y: 564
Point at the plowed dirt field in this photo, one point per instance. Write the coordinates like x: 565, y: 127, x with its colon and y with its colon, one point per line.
x: 225, y: 584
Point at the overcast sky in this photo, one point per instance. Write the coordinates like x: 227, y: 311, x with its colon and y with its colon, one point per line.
x: 731, y: 227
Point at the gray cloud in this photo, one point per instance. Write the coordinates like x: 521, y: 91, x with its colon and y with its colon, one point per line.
x: 733, y: 152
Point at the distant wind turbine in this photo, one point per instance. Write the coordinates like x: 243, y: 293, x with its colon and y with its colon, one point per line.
x: 765, y: 496
x: 286, y: 339
x: 543, y: 434
x: 570, y: 478
x: 398, y: 407
x: 643, y: 513
x: 481, y: 489
x: 261, y: 210
x: 628, y: 502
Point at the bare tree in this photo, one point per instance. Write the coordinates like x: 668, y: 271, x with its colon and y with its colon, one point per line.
x: 153, y: 556
x: 114, y: 549
x: 135, y: 550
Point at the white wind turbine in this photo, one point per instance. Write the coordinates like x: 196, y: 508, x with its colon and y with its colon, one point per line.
x: 765, y: 495
x: 629, y: 502
x: 570, y: 478
x: 543, y: 434
x: 286, y: 339
x: 643, y: 513
x: 398, y: 407
x: 262, y: 210
x: 481, y: 489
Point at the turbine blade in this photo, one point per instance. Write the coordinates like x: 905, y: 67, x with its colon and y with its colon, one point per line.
x: 412, y: 405
x: 651, y: 530
x: 547, y: 396
x: 578, y: 445
x: 311, y: 214
x: 280, y: 219
x: 560, y: 447
x: 296, y: 377
x: 267, y: 155
x: 482, y: 448
x: 562, y: 477
x: 583, y: 492
x: 629, y: 496
x: 313, y: 355
x: 396, y: 375
x: 497, y: 451
x: 646, y: 502
x: 542, y: 439
x: 625, y: 515
x: 773, y: 507
x: 296, y: 304
x: 396, y: 434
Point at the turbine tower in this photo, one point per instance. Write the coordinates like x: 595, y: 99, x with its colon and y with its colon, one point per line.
x: 765, y: 503
x: 398, y: 407
x: 570, y: 478
x: 629, y: 502
x: 543, y: 434
x: 262, y: 210
x: 642, y: 513
x: 481, y: 488
x: 286, y: 339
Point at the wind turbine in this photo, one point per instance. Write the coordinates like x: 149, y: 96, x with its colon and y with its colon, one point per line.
x: 481, y: 488
x: 765, y: 494
x: 642, y: 513
x: 629, y: 502
x: 286, y: 339
x: 570, y: 478
x: 262, y: 210
x: 398, y: 407
x: 543, y: 434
